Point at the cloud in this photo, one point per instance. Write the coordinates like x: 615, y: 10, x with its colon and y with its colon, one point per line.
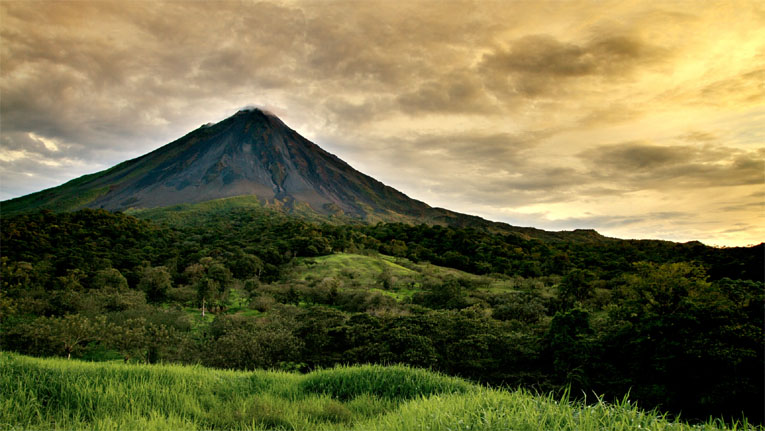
x: 539, y: 65
x: 698, y: 136
x: 636, y: 157
x: 456, y: 92
x: 485, y: 169
x: 614, y: 113
x: 640, y: 165
x: 745, y: 88
x: 545, y: 55
x: 607, y: 221
x: 502, y: 148
x: 345, y: 111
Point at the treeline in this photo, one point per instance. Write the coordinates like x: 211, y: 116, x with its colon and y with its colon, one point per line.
x: 257, y: 242
x: 678, y: 326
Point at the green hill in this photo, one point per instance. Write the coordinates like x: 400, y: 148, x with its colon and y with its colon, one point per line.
x: 60, y: 394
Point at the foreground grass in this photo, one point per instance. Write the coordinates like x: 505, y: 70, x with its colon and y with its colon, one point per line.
x: 60, y: 394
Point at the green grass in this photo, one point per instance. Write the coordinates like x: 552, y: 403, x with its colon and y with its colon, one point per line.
x: 356, y: 270
x: 492, y: 283
x: 390, y: 382
x: 365, y: 270
x: 59, y: 394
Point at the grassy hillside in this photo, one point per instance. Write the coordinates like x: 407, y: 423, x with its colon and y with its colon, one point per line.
x: 61, y: 394
x: 394, y: 276
x: 365, y: 269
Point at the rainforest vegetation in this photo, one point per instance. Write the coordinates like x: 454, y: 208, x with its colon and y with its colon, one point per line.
x: 678, y: 327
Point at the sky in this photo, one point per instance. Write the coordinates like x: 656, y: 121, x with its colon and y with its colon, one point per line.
x: 640, y: 119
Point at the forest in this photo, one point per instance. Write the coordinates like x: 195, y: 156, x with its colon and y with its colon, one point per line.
x: 678, y: 327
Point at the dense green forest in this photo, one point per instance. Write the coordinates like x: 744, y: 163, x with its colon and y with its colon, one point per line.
x: 677, y: 326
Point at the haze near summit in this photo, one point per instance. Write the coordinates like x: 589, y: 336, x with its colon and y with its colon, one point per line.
x: 638, y: 119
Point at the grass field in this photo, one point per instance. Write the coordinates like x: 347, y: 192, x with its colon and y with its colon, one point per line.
x: 47, y: 394
x: 365, y: 271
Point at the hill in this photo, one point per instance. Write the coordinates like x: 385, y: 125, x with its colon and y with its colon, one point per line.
x: 61, y: 394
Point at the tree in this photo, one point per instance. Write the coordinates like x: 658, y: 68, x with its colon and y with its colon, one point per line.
x: 71, y: 333
x: 129, y: 338
x: 219, y: 273
x: 109, y: 277
x: 193, y: 273
x: 159, y: 339
x: 246, y: 343
x: 207, y: 290
x: 446, y: 295
x: 683, y: 342
x: 570, y: 339
x: 385, y: 277
x: 246, y: 266
x: 524, y: 307
x: 575, y: 287
x: 402, y: 345
x: 155, y: 281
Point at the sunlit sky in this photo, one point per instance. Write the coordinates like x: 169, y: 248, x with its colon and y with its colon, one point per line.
x: 640, y: 119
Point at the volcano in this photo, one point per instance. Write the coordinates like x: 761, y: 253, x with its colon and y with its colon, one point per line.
x: 250, y: 153
x: 253, y: 153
